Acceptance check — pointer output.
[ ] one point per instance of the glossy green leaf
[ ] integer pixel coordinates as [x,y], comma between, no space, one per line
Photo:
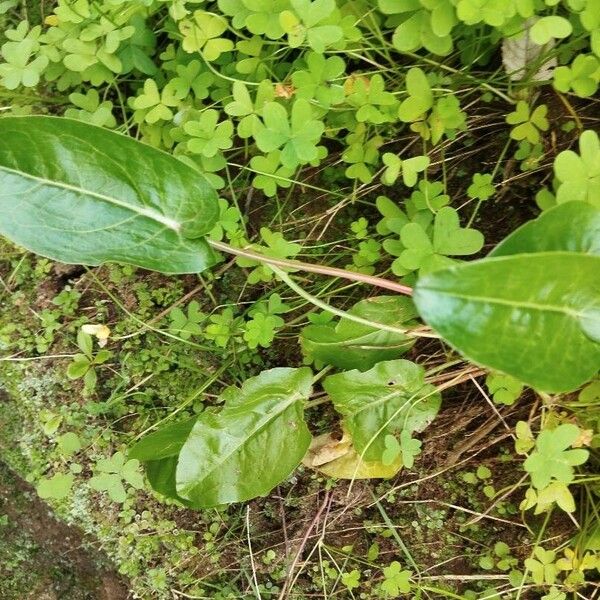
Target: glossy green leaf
[350,345]
[571,227]
[162,443]
[253,444]
[77,193]
[533,316]
[159,451]
[389,398]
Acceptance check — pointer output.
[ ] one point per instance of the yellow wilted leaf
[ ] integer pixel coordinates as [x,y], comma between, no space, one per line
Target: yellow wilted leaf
[339,459]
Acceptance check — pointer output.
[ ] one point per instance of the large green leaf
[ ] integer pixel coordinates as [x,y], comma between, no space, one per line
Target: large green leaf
[159,452]
[387,399]
[253,444]
[164,442]
[571,227]
[534,316]
[350,345]
[78,193]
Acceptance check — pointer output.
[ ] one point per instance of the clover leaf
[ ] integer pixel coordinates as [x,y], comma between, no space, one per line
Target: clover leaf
[552,460]
[420,96]
[579,175]
[191,78]
[91,109]
[424,254]
[446,118]
[373,103]
[208,136]
[276,247]
[259,16]
[582,76]
[112,473]
[410,447]
[429,196]
[396,580]
[156,105]
[528,124]
[409,167]
[186,325]
[362,155]
[270,175]
[56,487]
[317,81]
[202,34]
[542,567]
[482,187]
[394,218]
[20,68]
[421,28]
[261,329]
[309,21]
[504,388]
[243,106]
[297,137]
[548,28]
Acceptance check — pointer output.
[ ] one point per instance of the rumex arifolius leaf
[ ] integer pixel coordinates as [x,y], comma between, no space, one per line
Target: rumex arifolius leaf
[249,447]
[351,345]
[80,194]
[535,314]
[390,398]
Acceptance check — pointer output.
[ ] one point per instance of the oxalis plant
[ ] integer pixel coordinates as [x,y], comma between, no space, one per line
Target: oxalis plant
[77,193]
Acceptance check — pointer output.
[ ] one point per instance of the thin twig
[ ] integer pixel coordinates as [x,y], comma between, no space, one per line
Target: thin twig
[310,268]
[284,589]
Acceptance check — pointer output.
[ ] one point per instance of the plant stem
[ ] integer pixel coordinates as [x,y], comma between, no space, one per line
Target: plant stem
[345,315]
[310,268]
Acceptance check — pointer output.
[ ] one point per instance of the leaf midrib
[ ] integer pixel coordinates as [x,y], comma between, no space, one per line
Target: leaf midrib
[514,304]
[149,213]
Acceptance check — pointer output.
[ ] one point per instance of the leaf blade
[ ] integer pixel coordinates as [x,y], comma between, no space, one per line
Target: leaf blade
[81,194]
[506,313]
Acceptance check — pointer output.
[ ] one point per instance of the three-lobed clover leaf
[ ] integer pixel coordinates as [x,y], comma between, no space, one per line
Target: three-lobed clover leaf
[482,187]
[429,196]
[420,96]
[20,68]
[310,22]
[446,118]
[112,473]
[548,28]
[156,104]
[270,175]
[528,124]
[396,581]
[492,12]
[91,110]
[318,80]
[296,136]
[579,174]
[582,76]
[208,136]
[504,388]
[369,97]
[449,239]
[202,34]
[409,167]
[185,325]
[245,107]
[56,487]
[552,459]
[191,78]
[420,27]
[542,567]
[276,247]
